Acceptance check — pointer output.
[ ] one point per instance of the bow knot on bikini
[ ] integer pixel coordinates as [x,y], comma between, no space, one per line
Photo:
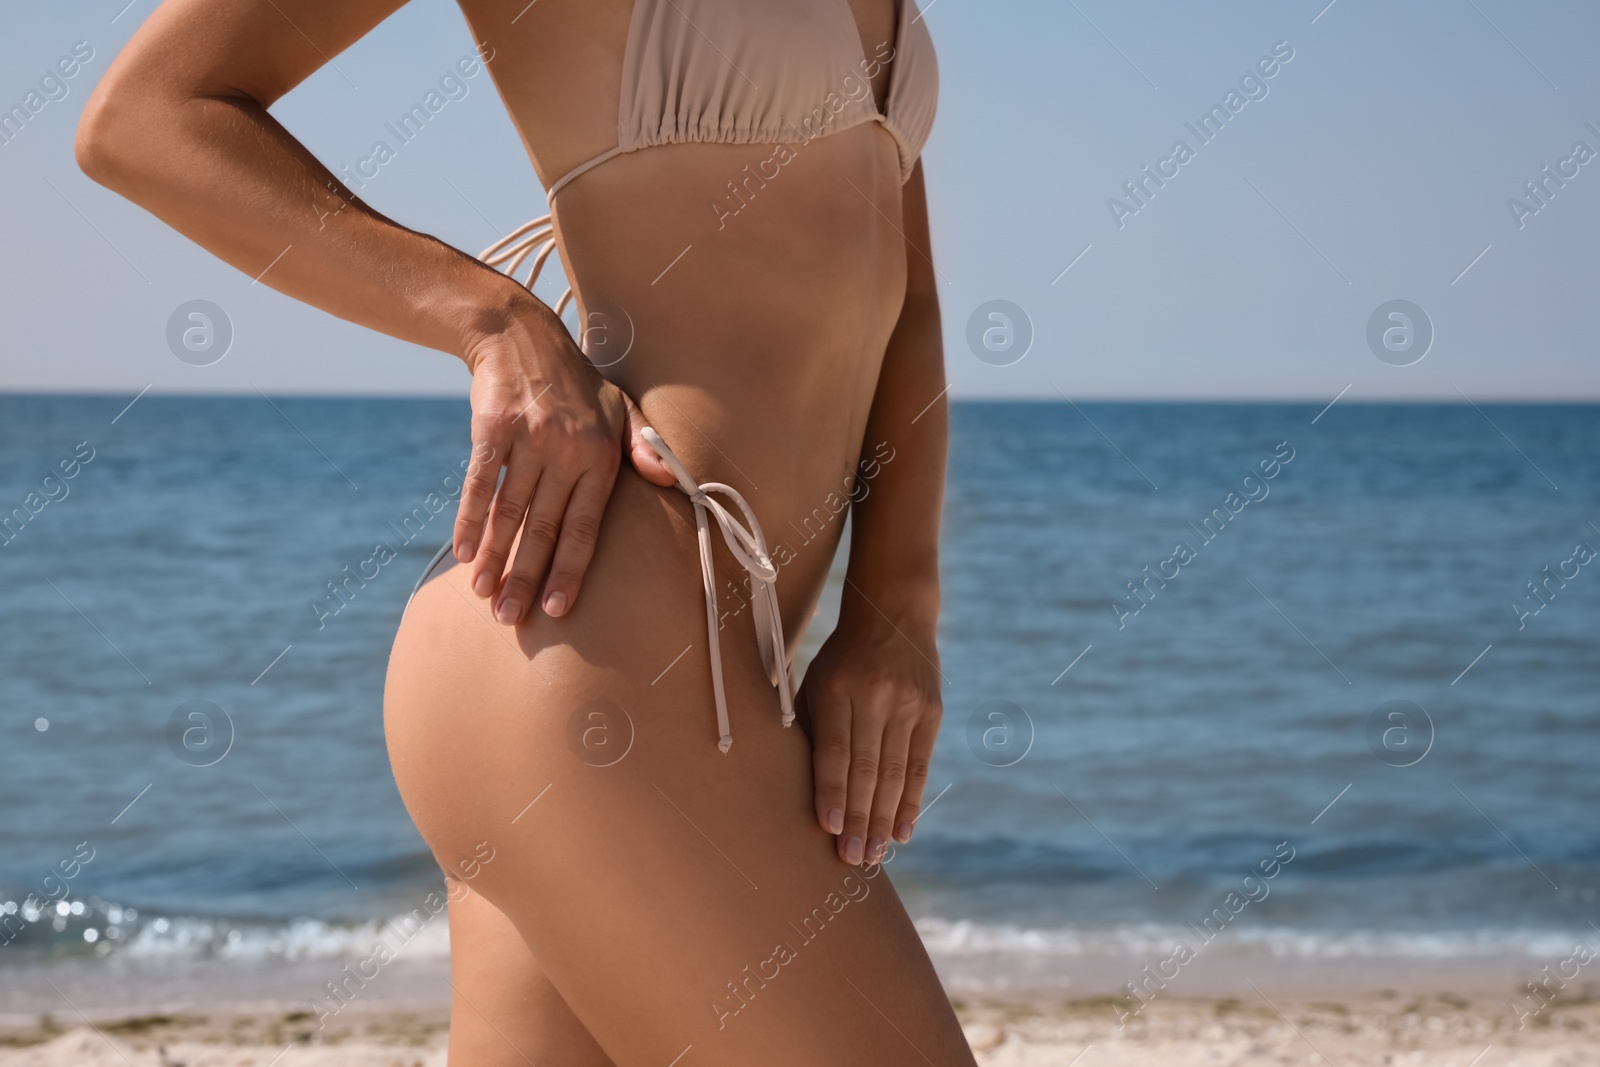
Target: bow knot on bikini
[749,547]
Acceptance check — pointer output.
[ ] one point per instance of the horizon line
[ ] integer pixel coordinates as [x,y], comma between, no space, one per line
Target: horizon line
[1460,400]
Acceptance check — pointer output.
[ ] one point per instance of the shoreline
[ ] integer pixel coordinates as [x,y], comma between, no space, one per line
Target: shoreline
[143,985]
[146,985]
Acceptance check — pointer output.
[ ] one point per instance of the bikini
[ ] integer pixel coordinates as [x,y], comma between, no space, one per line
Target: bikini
[771,72]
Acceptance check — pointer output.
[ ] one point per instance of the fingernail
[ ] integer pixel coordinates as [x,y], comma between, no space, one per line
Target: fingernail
[835,821]
[875,848]
[508,611]
[852,851]
[902,833]
[555,605]
[484,584]
[464,552]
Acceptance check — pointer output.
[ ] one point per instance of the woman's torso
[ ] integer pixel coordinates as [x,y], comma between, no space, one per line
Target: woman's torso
[754,288]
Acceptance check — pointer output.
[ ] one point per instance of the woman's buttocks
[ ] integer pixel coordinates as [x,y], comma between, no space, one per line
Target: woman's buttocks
[760,284]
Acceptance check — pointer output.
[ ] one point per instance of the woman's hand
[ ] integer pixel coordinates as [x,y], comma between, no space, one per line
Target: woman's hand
[871,704]
[543,413]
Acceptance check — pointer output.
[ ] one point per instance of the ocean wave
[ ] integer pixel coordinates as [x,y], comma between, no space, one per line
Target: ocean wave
[97,927]
[297,939]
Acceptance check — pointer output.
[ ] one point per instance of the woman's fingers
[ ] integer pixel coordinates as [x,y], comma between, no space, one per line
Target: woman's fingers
[866,744]
[506,513]
[870,754]
[477,490]
[549,451]
[651,467]
[830,758]
[540,529]
[580,530]
[558,429]
[920,756]
[577,471]
[893,762]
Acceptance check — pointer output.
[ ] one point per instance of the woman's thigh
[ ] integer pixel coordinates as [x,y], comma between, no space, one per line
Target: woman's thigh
[684,902]
[504,1012]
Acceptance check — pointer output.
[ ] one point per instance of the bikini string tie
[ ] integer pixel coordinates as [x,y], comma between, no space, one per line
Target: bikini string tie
[535,238]
[749,547]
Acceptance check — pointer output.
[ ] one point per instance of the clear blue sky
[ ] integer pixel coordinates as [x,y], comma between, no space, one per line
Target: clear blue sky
[1377,166]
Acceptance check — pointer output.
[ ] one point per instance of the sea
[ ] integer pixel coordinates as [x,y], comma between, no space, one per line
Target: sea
[1273,680]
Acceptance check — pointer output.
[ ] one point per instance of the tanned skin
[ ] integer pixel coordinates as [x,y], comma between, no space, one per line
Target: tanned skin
[728,909]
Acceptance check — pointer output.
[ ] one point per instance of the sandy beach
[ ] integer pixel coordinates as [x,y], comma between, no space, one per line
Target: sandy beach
[1378,1029]
[1460,1012]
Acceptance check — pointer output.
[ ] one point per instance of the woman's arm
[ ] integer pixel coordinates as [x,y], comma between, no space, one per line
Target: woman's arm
[872,694]
[179,125]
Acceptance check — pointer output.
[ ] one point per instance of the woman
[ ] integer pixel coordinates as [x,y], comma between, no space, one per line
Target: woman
[737,195]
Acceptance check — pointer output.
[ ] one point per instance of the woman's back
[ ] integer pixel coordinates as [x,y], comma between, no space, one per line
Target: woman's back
[750,284]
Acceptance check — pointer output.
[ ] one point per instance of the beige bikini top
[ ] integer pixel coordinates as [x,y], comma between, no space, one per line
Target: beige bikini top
[751,72]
